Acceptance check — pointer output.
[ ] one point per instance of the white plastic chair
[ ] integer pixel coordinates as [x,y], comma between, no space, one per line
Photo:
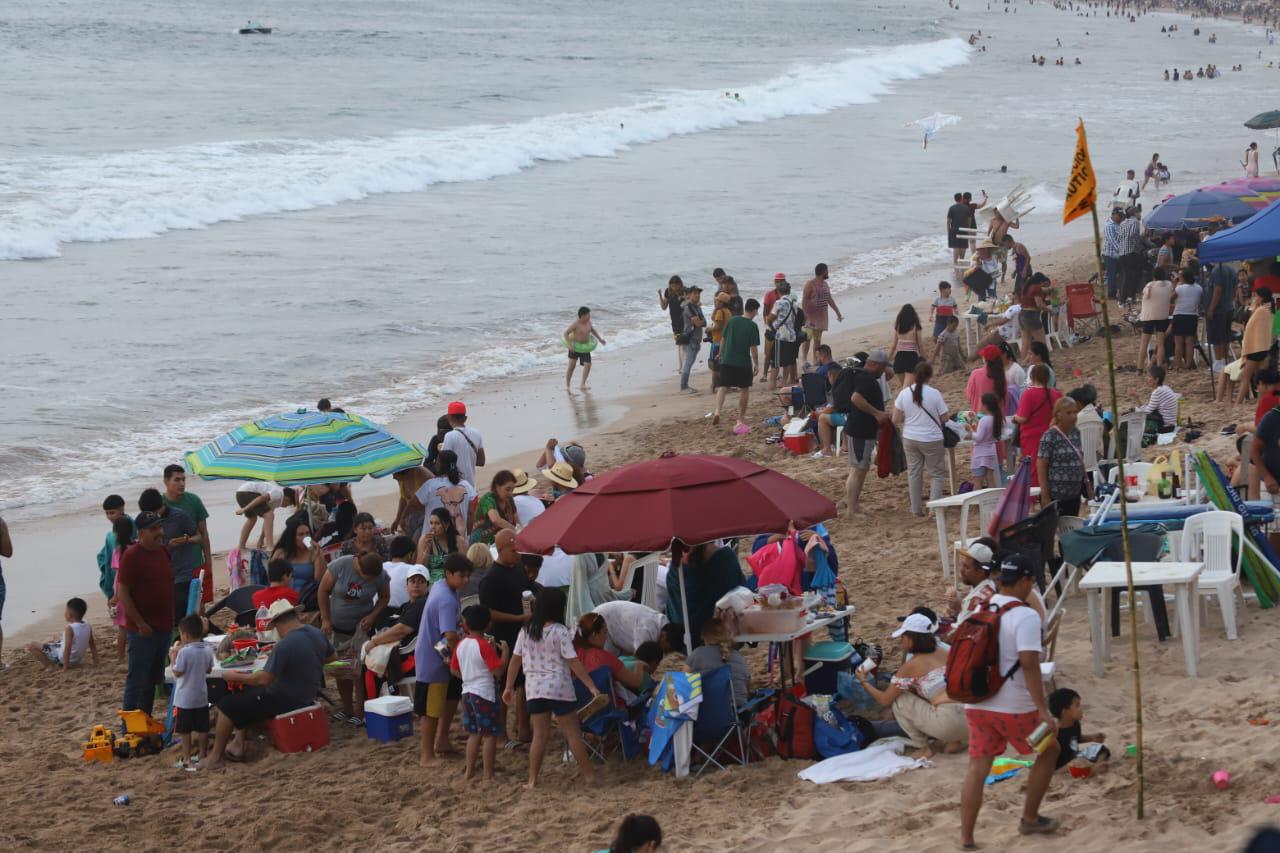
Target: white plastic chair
[1091,444]
[1051,334]
[986,503]
[1132,469]
[648,564]
[1207,538]
[1137,422]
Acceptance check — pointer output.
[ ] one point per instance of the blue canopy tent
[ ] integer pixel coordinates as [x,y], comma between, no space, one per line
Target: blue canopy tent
[1256,237]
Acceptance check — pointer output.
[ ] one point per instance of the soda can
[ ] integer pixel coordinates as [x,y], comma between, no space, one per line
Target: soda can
[122,800]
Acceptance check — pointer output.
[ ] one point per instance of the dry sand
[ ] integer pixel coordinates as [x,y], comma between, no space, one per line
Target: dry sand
[357,794]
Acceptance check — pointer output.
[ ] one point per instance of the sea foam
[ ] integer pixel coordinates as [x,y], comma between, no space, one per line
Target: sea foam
[128,195]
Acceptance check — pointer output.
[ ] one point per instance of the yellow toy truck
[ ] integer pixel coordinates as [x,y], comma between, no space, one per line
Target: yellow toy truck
[143,735]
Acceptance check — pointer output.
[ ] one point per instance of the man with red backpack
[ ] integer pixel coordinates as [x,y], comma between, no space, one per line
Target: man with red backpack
[994,667]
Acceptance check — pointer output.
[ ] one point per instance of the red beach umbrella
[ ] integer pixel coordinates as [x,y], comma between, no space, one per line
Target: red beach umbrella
[643,506]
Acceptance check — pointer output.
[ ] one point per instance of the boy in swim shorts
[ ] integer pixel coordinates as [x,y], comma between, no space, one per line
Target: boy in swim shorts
[578,339]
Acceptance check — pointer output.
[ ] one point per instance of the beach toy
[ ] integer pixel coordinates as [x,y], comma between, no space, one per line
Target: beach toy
[1274,799]
[1259,721]
[101,745]
[1081,772]
[578,346]
[1222,778]
[1131,749]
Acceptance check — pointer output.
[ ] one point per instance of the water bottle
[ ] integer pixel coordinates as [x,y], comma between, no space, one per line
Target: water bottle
[262,622]
[1041,737]
[526,602]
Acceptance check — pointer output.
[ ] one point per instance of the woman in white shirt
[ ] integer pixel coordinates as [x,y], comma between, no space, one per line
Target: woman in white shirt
[1186,316]
[919,412]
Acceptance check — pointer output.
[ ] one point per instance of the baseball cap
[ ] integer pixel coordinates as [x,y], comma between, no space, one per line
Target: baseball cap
[916,623]
[1015,567]
[926,612]
[693,287]
[457,408]
[779,276]
[416,571]
[990,352]
[143,520]
[980,554]
[878,356]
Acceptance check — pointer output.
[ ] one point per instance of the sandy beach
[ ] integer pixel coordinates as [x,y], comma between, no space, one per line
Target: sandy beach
[1193,726]
[406,210]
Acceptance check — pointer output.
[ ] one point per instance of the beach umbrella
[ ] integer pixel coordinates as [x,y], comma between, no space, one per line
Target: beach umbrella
[1196,207]
[1264,121]
[1255,192]
[302,448]
[931,124]
[643,507]
[1015,503]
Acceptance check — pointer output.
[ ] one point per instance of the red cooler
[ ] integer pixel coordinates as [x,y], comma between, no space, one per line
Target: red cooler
[303,730]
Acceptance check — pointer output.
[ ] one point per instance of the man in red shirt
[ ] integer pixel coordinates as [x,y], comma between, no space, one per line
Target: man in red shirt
[145,582]
[280,585]
[1268,394]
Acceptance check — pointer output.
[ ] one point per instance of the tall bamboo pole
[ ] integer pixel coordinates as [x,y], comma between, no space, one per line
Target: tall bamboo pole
[1124,516]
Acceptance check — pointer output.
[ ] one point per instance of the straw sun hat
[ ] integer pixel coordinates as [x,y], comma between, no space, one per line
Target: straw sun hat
[561,474]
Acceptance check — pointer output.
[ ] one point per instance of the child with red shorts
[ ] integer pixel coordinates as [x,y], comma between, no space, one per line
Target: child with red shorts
[478,664]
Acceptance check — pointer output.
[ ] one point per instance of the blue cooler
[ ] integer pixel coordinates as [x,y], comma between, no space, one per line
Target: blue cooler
[822,664]
[388,718]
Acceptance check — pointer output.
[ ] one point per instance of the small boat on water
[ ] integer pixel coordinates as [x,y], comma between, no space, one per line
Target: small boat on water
[252,29]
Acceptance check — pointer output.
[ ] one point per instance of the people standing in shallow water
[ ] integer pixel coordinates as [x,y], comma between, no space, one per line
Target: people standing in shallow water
[578,338]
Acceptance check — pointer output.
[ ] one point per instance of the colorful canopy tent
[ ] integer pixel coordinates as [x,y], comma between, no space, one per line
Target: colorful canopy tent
[1256,237]
[302,448]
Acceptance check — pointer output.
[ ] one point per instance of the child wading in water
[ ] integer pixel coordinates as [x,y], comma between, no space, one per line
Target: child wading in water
[578,338]
[544,650]
[476,662]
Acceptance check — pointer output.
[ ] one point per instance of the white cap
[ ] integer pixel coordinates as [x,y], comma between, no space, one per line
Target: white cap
[916,623]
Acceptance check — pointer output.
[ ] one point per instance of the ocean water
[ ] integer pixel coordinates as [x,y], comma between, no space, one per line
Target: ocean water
[392,203]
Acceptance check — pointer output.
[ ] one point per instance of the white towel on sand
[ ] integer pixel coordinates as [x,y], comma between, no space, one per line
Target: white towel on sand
[878,761]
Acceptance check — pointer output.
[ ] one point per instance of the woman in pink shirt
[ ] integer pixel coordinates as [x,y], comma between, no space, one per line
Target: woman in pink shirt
[988,379]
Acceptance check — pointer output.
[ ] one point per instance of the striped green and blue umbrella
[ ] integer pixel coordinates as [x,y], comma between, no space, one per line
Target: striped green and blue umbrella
[302,448]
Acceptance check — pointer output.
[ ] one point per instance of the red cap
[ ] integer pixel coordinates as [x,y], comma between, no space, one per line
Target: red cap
[990,352]
[457,408]
[779,276]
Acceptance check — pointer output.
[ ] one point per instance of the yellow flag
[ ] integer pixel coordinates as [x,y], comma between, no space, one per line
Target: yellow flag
[1082,187]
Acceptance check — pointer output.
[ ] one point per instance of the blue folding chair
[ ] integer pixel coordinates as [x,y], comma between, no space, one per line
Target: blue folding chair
[604,722]
[720,719]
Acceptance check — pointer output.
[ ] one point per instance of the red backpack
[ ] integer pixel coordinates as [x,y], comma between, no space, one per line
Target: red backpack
[973,664]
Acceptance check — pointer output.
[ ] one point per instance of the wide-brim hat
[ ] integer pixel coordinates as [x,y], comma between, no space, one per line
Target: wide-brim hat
[524,483]
[985,243]
[281,607]
[561,474]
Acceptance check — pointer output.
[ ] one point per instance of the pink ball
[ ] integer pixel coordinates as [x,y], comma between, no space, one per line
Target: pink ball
[1222,778]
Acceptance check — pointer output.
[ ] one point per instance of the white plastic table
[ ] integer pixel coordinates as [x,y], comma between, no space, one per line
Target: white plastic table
[939,507]
[787,640]
[1182,577]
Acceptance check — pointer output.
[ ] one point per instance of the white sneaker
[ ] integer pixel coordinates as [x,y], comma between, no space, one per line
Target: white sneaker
[818,455]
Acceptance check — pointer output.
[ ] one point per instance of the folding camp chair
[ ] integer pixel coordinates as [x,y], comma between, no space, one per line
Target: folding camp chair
[605,721]
[1036,537]
[717,720]
[238,601]
[814,386]
[1083,314]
